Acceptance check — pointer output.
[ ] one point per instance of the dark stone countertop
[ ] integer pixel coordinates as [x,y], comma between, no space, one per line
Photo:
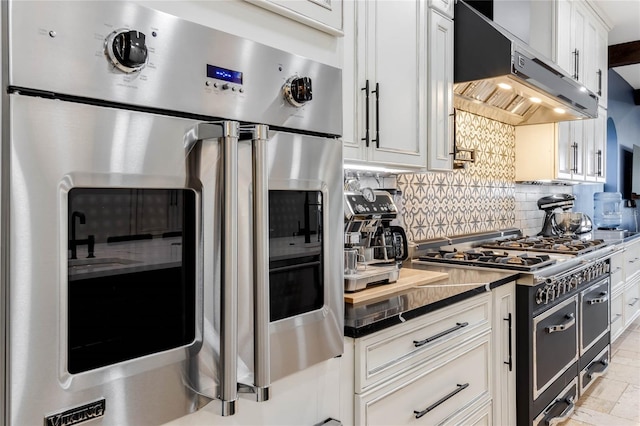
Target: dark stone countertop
[369,317]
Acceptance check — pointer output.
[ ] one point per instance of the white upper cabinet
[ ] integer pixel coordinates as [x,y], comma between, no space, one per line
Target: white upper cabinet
[385,75]
[581,44]
[440,93]
[572,151]
[398,84]
[324,15]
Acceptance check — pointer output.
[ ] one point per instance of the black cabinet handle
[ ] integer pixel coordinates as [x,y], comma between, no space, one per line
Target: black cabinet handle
[576,64]
[634,301]
[510,361]
[599,155]
[377,92]
[599,82]
[459,388]
[459,325]
[366,113]
[574,147]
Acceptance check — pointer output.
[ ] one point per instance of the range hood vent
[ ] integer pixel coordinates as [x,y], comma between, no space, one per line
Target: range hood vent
[498,76]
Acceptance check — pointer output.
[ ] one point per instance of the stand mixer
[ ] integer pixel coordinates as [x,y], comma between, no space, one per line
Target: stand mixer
[563,223]
[383,247]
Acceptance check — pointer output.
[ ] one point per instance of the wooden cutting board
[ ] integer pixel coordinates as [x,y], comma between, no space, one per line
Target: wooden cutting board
[408,278]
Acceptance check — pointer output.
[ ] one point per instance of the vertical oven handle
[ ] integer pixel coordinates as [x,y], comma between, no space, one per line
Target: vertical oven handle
[228,133]
[262,374]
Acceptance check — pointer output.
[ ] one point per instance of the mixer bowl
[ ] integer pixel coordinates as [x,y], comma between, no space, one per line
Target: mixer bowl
[568,222]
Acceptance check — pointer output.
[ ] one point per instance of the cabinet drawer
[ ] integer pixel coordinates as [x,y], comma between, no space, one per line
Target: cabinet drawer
[617,280]
[631,302]
[414,342]
[436,394]
[617,315]
[617,263]
[631,261]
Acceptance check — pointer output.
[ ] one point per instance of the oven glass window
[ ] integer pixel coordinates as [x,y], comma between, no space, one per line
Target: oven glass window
[131,274]
[296,273]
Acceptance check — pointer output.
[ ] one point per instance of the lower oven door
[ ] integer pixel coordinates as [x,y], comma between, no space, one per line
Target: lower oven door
[555,343]
[103,265]
[594,314]
[560,408]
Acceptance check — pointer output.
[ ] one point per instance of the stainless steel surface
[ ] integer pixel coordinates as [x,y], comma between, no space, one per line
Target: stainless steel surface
[94,147]
[113,127]
[568,222]
[262,349]
[74,63]
[374,275]
[499,77]
[229,294]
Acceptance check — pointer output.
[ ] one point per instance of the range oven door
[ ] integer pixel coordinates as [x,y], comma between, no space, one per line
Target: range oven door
[104,260]
[281,293]
[594,314]
[555,343]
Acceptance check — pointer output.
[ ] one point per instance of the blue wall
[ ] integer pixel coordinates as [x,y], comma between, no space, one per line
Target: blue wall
[623,130]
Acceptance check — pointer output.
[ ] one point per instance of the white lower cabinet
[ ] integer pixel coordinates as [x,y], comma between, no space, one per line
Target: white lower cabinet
[450,366]
[438,393]
[617,314]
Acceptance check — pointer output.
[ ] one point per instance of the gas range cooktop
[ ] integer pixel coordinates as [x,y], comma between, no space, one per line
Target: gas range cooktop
[556,245]
[491,259]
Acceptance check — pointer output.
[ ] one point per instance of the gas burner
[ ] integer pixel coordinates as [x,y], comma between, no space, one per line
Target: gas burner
[490,258]
[561,244]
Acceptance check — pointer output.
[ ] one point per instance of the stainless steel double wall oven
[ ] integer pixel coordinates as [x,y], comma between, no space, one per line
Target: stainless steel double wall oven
[168,195]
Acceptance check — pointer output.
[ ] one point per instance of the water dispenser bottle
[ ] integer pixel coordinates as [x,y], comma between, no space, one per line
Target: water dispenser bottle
[607,213]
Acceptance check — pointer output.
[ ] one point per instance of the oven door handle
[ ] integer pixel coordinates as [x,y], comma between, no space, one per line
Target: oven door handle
[604,298]
[564,326]
[261,317]
[565,414]
[226,133]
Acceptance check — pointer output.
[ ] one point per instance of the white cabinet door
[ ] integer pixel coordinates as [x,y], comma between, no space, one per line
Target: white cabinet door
[504,355]
[440,93]
[578,23]
[444,6]
[595,132]
[602,51]
[396,74]
[567,148]
[564,56]
[385,83]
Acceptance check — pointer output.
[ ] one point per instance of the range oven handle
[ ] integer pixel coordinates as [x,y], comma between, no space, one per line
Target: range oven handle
[261,317]
[565,414]
[571,321]
[604,297]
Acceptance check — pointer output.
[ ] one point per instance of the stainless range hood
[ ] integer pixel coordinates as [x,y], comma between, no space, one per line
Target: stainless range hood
[496,75]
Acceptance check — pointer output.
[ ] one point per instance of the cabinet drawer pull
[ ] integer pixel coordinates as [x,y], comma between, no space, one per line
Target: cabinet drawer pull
[634,301]
[602,299]
[564,326]
[618,316]
[459,325]
[459,388]
[510,361]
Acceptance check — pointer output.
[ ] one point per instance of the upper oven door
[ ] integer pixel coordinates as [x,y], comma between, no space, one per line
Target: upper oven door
[104,260]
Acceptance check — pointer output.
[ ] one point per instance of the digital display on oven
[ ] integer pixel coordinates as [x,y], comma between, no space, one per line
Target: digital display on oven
[224,74]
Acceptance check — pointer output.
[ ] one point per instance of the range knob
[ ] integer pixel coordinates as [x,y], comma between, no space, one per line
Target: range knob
[127,50]
[298,91]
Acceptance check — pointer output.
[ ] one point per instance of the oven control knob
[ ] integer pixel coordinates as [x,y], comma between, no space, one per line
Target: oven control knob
[127,50]
[298,91]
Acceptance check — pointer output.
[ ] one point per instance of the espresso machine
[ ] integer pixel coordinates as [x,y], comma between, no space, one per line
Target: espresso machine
[381,248]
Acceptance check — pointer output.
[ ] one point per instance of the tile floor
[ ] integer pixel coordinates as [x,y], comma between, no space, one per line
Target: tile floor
[614,399]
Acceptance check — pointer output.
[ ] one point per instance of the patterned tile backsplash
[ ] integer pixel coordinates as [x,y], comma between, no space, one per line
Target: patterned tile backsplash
[482,197]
